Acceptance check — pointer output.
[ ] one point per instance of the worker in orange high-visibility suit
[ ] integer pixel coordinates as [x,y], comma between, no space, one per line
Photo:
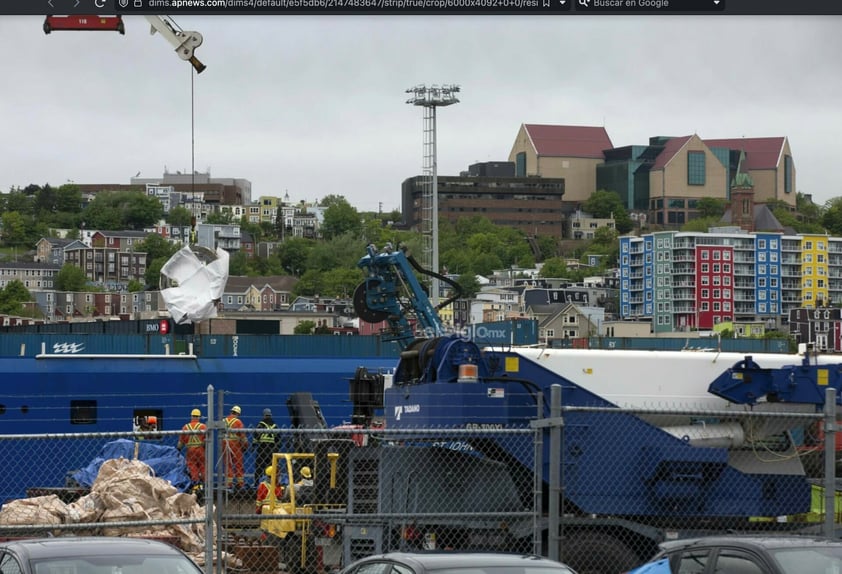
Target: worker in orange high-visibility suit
[194,443]
[234,444]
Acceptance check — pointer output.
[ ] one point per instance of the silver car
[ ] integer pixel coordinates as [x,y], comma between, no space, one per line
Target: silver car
[93,555]
[445,562]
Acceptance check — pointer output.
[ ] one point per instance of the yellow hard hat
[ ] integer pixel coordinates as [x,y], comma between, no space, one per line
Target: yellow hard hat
[235,409]
[269,471]
[305,472]
[195,413]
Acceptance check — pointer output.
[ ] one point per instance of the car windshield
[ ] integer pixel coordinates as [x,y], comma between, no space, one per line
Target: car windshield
[506,570]
[115,565]
[813,559]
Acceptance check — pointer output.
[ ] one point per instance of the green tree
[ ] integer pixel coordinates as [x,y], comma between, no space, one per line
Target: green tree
[134,286]
[70,278]
[469,285]
[122,210]
[553,267]
[69,199]
[832,216]
[304,328]
[340,218]
[340,282]
[293,255]
[605,236]
[309,284]
[547,245]
[220,218]
[14,228]
[156,247]
[604,204]
[238,264]
[12,297]
[701,224]
[711,207]
[180,216]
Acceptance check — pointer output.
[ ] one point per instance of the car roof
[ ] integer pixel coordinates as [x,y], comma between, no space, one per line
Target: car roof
[440,559]
[770,542]
[71,546]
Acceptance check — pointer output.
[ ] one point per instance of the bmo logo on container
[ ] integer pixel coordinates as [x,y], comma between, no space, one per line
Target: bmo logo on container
[162,327]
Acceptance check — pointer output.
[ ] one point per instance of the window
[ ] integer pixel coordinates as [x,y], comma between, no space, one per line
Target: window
[695,168]
[8,565]
[82,412]
[736,562]
[787,174]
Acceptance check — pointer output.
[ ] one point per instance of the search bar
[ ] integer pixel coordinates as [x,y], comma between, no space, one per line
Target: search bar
[650,6]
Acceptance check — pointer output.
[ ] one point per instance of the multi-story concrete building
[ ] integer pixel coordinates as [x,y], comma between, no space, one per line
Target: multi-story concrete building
[223,235]
[666,178]
[215,190]
[569,153]
[684,281]
[531,204]
[34,275]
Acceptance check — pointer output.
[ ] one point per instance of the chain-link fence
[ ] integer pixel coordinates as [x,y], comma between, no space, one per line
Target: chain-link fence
[598,488]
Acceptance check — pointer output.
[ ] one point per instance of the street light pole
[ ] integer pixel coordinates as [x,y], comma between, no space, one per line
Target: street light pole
[431,97]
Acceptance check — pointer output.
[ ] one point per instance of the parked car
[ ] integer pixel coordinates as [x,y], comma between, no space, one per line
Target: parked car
[444,562]
[763,554]
[93,555]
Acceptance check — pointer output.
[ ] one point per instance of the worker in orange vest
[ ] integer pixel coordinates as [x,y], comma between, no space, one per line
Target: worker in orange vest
[234,444]
[265,487]
[194,443]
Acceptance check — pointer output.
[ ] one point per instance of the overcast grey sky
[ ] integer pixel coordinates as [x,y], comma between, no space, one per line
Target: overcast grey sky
[316,105]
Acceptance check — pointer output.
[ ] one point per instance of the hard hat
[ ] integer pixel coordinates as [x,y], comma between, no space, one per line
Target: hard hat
[269,471]
[305,472]
[267,412]
[151,419]
[195,413]
[235,409]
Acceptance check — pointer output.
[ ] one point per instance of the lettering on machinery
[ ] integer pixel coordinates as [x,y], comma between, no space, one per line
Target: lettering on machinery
[406,409]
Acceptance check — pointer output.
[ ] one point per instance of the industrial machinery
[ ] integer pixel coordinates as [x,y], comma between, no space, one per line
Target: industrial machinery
[185,42]
[626,478]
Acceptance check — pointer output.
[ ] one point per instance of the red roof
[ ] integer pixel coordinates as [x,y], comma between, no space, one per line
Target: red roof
[670,149]
[761,153]
[568,141]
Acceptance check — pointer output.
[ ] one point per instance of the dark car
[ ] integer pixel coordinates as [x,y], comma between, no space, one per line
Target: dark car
[93,555]
[751,555]
[455,563]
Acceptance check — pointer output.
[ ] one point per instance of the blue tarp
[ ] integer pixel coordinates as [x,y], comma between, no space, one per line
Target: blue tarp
[166,462]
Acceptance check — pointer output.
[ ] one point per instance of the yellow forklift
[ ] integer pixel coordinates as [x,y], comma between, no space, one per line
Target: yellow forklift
[290,519]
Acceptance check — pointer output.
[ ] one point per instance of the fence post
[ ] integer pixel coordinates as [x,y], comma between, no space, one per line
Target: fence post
[554,536]
[829,462]
[538,485]
[209,486]
[222,473]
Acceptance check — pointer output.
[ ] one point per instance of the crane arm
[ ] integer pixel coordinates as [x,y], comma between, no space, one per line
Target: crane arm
[184,41]
[390,283]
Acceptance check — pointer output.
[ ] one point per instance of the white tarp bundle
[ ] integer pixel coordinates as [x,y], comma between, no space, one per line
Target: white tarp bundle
[197,285]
